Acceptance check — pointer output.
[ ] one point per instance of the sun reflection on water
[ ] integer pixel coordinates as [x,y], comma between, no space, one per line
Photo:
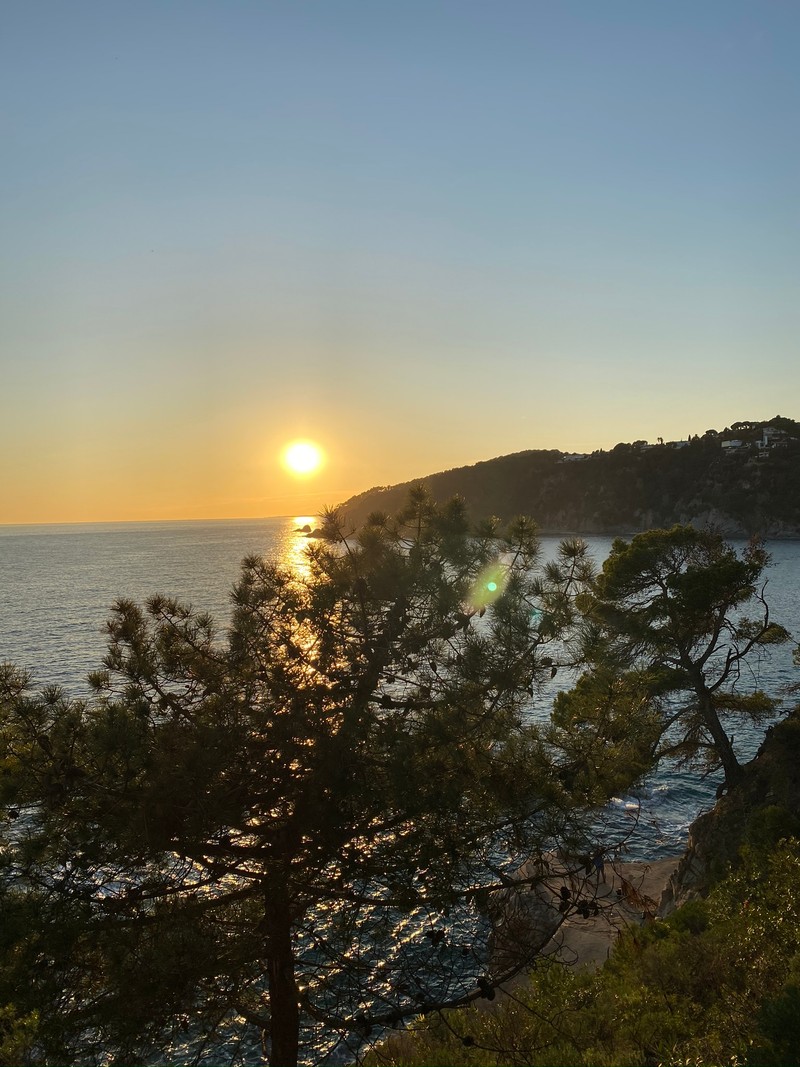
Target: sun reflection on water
[295,543]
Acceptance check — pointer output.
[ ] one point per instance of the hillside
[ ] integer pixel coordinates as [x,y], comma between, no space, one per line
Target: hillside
[744,479]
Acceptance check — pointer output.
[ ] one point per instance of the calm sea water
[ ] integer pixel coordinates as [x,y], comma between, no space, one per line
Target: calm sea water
[57,583]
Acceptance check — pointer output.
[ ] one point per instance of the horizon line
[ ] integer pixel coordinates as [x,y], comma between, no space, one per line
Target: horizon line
[120,522]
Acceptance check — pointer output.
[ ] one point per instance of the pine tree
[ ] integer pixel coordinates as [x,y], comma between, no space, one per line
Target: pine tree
[667,625]
[302,821]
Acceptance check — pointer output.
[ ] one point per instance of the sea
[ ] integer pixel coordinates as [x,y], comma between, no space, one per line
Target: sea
[57,583]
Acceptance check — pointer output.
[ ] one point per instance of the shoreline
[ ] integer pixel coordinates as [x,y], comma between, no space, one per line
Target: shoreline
[629,894]
[620,896]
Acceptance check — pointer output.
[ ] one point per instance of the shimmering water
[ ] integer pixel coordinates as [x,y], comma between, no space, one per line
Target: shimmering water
[57,583]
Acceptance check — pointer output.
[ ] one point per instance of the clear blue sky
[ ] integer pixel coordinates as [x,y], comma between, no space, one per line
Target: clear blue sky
[419,233]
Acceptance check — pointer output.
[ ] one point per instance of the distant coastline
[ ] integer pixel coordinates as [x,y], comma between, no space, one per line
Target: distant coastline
[743,480]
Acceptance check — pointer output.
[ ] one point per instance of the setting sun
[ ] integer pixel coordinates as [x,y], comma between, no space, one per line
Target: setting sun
[303,457]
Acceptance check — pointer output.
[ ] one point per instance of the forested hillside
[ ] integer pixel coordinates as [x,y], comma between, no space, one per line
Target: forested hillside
[744,479]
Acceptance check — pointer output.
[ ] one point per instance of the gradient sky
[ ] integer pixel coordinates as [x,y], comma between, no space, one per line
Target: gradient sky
[420,233]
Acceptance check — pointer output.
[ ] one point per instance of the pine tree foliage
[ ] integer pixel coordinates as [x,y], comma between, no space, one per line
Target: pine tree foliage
[674,626]
[292,827]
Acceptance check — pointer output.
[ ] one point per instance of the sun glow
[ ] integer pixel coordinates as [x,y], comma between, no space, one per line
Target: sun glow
[302,458]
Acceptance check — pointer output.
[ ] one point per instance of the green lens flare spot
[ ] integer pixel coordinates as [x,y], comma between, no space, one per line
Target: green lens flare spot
[489,585]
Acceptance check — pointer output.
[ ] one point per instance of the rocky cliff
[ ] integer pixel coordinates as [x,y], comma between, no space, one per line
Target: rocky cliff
[761,809]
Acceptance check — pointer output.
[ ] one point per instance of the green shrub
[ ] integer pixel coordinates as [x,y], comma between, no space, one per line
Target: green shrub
[779,1027]
[692,918]
[767,826]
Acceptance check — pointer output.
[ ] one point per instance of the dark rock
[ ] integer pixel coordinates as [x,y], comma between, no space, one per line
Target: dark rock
[761,807]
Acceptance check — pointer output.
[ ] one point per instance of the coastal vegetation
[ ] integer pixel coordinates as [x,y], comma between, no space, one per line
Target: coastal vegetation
[311,827]
[667,635]
[717,981]
[744,479]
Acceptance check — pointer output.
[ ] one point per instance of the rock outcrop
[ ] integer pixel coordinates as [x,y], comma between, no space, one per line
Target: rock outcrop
[763,807]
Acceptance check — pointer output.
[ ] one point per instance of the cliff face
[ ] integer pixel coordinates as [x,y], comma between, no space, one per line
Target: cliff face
[763,807]
[743,489]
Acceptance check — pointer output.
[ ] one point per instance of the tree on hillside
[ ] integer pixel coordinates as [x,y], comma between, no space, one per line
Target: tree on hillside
[789,426]
[666,621]
[298,823]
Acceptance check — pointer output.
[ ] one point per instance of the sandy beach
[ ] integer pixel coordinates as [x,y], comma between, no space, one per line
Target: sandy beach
[628,894]
[600,905]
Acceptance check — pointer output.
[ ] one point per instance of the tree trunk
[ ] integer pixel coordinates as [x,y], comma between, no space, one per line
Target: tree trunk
[283,1005]
[730,764]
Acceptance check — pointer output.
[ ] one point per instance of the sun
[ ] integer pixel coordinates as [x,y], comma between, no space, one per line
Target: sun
[302,458]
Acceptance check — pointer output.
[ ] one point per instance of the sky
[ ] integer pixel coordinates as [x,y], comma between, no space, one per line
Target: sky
[419,234]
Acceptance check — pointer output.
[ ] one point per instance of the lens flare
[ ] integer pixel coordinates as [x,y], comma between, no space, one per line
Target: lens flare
[489,585]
